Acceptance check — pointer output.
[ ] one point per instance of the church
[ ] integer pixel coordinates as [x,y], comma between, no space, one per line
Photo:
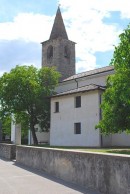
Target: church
[75,108]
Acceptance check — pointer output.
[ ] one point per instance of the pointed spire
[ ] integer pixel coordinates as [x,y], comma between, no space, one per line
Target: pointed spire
[58,29]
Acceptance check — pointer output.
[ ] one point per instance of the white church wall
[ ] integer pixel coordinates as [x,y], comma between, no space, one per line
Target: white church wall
[106,140]
[42,136]
[122,139]
[62,123]
[15,133]
[65,86]
[98,79]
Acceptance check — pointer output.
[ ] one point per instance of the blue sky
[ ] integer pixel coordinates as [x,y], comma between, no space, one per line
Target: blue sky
[94,25]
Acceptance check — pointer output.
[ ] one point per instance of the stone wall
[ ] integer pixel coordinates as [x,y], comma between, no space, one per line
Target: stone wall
[7,151]
[109,174]
[64,64]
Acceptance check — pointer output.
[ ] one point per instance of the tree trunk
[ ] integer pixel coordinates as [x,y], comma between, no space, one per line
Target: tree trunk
[35,141]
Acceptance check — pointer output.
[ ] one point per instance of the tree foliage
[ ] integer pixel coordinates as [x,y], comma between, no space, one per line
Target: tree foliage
[116,99]
[6,126]
[25,93]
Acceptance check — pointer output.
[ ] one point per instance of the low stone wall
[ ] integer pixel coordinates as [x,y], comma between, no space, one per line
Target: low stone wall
[109,174]
[7,151]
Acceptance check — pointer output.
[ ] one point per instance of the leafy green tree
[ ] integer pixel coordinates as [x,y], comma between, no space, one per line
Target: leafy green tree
[25,92]
[6,126]
[116,99]
[6,120]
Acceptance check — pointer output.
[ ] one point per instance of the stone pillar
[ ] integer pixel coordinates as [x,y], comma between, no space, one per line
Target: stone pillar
[29,137]
[16,133]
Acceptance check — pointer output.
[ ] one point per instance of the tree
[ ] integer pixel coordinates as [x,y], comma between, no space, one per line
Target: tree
[116,99]
[25,92]
[6,126]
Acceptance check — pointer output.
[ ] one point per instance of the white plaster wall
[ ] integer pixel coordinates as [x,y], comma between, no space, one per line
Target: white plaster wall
[99,79]
[122,139]
[12,132]
[42,137]
[62,123]
[106,140]
[15,133]
[65,86]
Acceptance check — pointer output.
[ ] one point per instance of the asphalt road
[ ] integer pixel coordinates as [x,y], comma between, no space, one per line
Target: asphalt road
[17,179]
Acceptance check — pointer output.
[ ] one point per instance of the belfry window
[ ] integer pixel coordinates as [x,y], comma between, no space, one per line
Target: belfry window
[66,52]
[50,52]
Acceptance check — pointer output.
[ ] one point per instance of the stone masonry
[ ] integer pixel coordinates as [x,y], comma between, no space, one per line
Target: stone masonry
[58,51]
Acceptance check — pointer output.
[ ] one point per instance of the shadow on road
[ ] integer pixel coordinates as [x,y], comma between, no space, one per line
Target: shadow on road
[57,180]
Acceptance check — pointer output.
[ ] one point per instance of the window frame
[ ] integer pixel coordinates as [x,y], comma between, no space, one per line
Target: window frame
[77,101]
[77,128]
[56,107]
[50,52]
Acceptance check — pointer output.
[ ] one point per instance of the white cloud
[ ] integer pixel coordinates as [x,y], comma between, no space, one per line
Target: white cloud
[88,29]
[21,40]
[104,6]
[84,20]
[86,63]
[30,27]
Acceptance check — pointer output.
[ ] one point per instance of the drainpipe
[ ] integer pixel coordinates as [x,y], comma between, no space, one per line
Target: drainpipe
[100,116]
[76,83]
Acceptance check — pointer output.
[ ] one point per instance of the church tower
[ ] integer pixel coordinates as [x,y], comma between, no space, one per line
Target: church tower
[59,51]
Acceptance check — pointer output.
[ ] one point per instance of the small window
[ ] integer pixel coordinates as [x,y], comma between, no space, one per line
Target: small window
[56,106]
[77,101]
[50,52]
[66,52]
[77,128]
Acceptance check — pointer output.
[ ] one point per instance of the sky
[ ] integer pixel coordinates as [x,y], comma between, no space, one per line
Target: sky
[94,25]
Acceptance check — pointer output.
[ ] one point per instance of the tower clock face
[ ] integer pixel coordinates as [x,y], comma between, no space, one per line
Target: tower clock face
[50,53]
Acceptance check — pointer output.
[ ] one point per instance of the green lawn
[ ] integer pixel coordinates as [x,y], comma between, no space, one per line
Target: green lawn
[103,150]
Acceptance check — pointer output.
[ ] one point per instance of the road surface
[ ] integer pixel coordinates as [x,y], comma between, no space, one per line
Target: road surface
[17,179]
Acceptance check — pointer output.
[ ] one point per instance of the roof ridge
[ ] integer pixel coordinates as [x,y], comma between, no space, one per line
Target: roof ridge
[82,87]
[90,87]
[90,72]
[94,69]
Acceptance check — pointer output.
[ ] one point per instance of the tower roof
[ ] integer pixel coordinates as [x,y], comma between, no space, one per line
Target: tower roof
[58,29]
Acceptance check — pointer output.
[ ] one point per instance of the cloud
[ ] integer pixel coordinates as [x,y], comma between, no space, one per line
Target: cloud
[27,26]
[19,52]
[20,40]
[100,5]
[90,31]
[85,23]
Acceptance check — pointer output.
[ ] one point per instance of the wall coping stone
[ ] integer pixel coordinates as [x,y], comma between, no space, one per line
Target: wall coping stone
[78,151]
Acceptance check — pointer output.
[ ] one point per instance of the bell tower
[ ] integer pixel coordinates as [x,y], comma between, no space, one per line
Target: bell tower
[59,51]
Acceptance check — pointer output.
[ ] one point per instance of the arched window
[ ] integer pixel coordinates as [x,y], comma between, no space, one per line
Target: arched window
[50,52]
[66,52]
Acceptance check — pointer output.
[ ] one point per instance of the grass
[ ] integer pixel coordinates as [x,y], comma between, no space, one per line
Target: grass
[102,150]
